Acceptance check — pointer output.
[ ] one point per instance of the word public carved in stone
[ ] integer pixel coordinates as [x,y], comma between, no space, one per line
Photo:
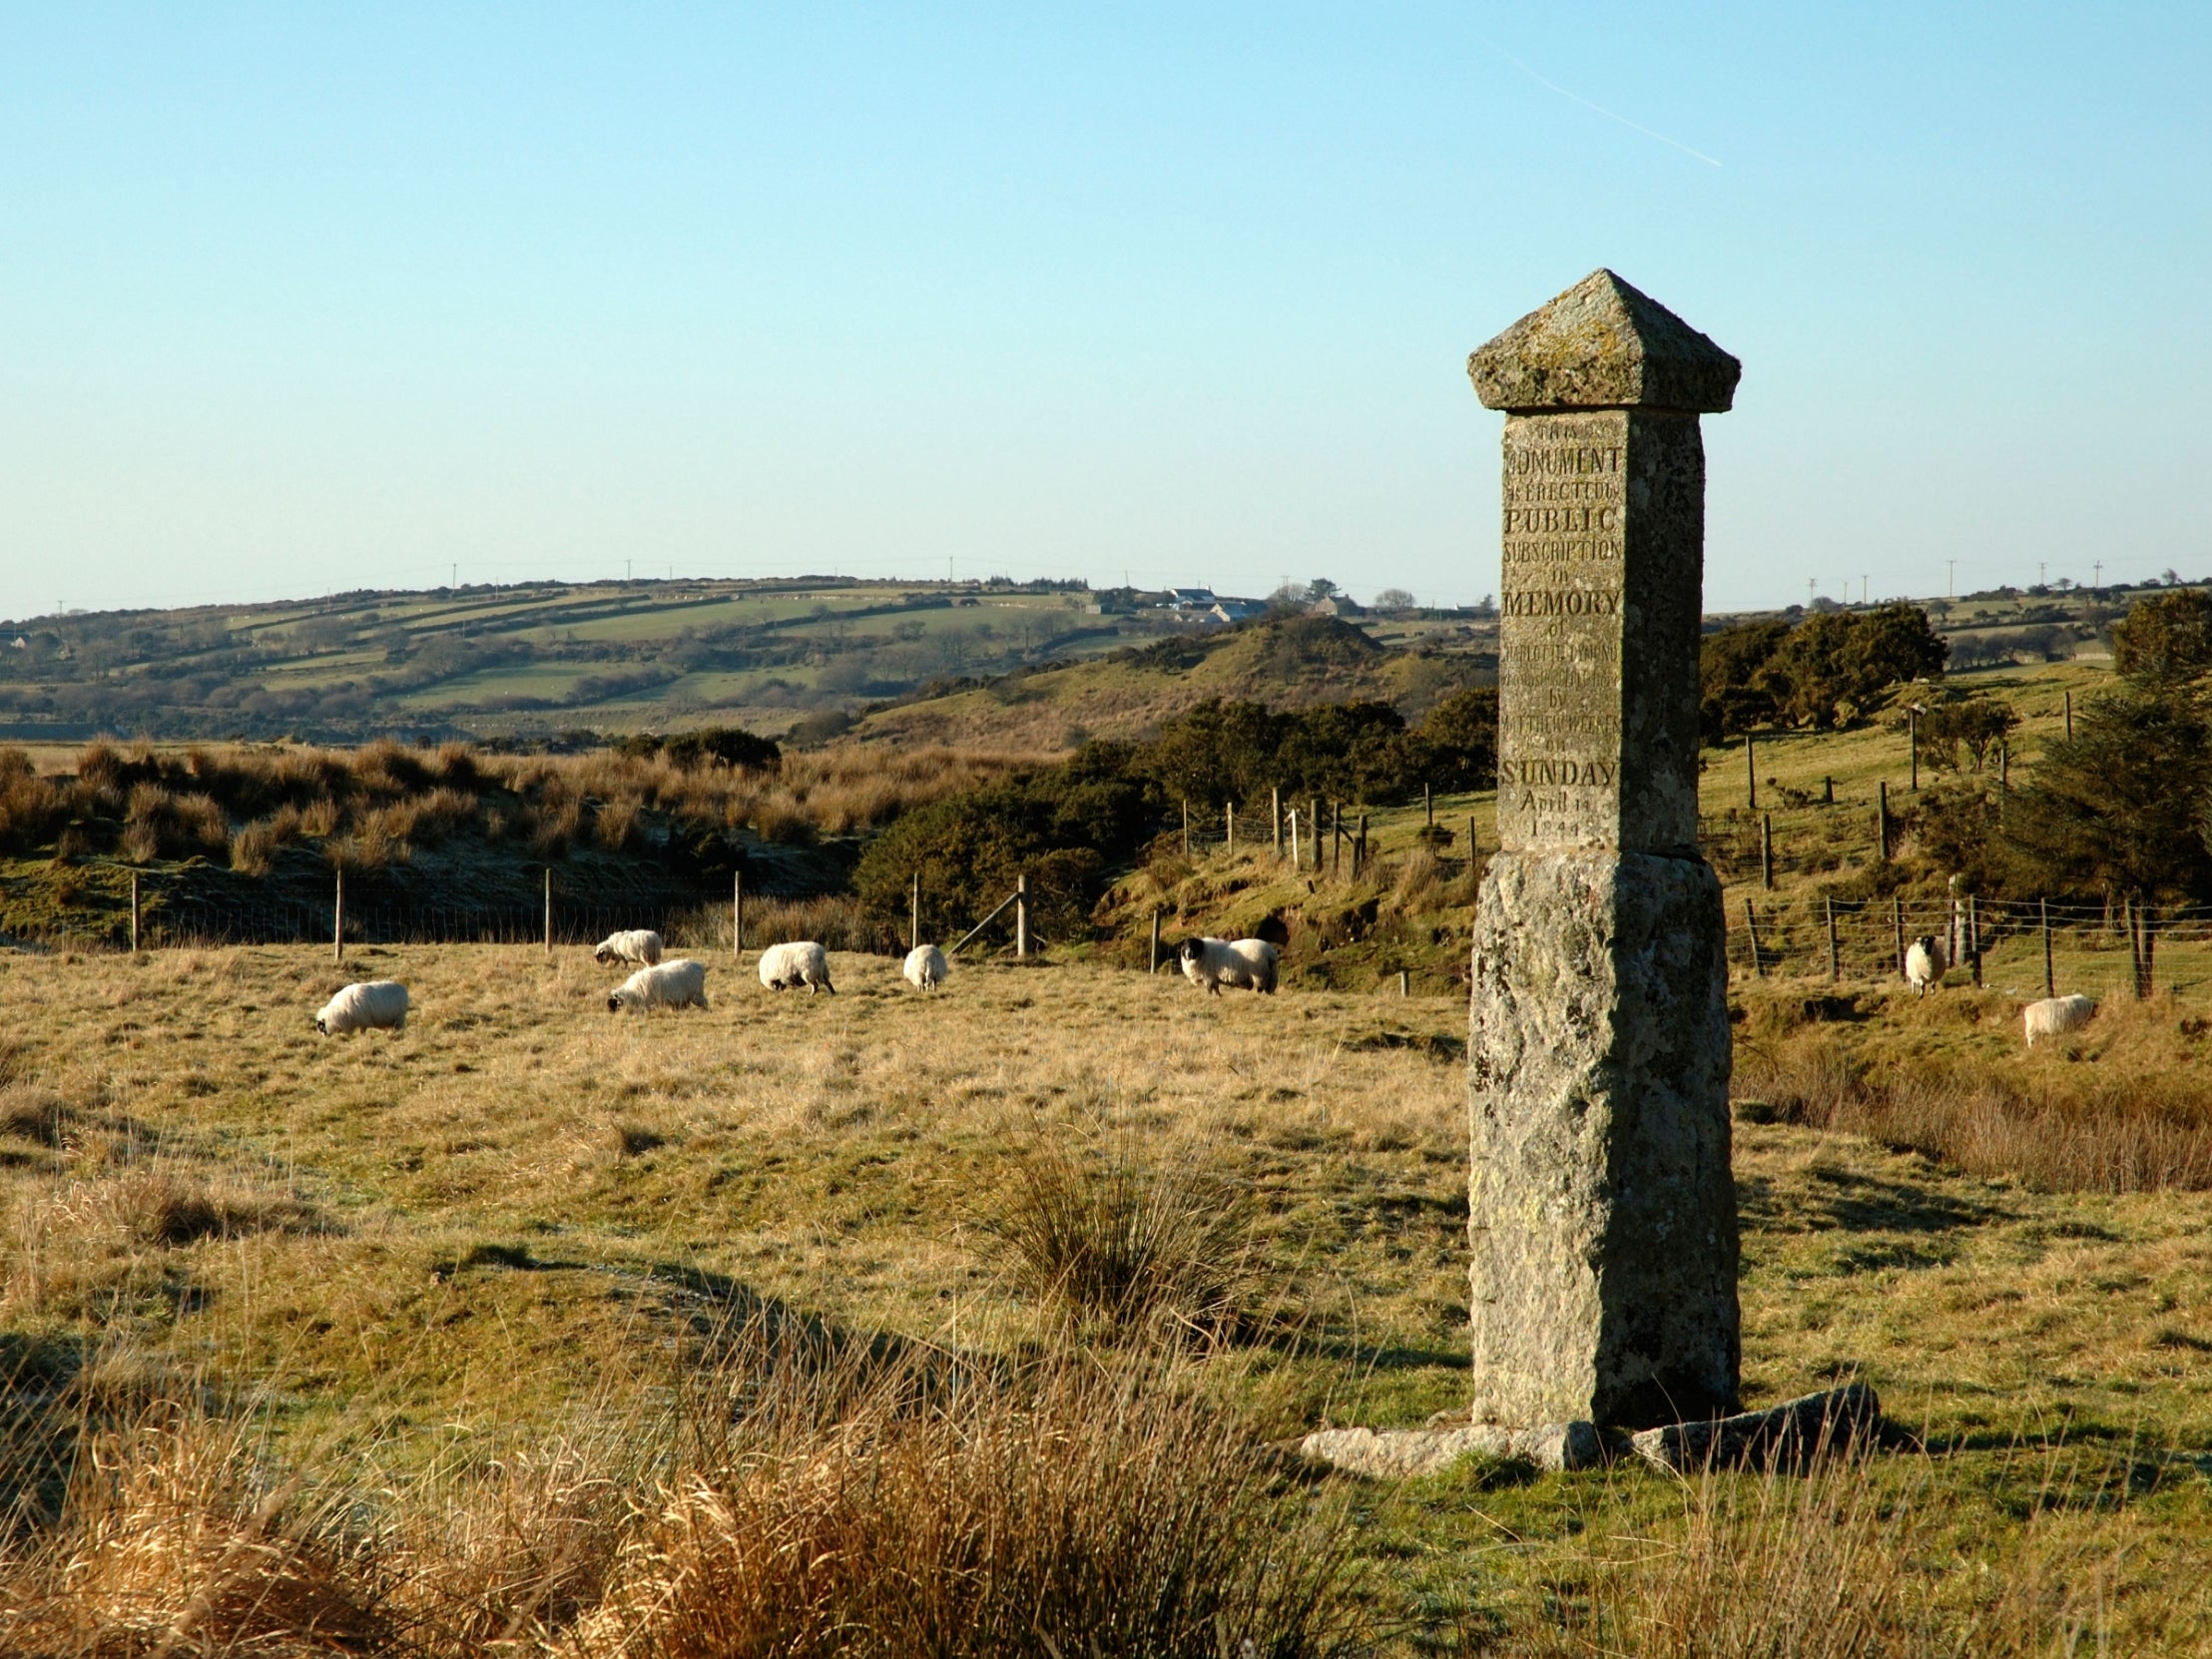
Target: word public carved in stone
[1602,1211]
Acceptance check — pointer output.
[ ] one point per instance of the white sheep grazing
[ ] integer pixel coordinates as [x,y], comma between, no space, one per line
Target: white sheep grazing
[637,945]
[801,963]
[1241,964]
[2054,1017]
[925,967]
[677,984]
[373,1004]
[1924,964]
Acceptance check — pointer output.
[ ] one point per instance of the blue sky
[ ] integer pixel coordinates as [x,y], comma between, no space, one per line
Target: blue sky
[305,298]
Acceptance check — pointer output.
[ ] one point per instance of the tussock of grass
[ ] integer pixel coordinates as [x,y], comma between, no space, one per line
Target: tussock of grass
[1106,1240]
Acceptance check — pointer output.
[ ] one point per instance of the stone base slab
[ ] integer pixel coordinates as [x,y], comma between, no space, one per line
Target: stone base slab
[1395,1453]
[1789,1435]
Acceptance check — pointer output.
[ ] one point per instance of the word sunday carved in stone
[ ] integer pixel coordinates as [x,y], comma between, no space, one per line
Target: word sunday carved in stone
[1559,685]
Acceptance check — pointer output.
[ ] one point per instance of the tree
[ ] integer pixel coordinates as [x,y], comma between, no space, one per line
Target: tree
[1733,694]
[2166,641]
[2119,808]
[1964,731]
[1833,670]
[1395,599]
[1320,588]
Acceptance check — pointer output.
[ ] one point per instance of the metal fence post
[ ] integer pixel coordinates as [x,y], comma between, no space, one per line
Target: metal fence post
[1155,967]
[2049,985]
[549,910]
[337,920]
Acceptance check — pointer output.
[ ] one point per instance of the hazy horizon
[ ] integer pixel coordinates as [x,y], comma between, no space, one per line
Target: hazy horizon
[307,302]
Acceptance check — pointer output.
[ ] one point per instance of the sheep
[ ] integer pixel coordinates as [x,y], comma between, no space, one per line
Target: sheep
[1241,964]
[373,1004]
[925,967]
[2054,1017]
[637,945]
[1924,964]
[677,984]
[801,963]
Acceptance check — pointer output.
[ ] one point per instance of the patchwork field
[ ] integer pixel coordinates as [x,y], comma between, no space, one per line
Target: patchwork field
[405,1262]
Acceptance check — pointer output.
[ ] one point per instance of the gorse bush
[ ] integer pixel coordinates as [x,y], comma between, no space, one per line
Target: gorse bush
[1830,670]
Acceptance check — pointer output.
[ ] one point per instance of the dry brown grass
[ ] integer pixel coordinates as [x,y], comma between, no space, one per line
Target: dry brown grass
[2139,1120]
[1112,1241]
[1828,1566]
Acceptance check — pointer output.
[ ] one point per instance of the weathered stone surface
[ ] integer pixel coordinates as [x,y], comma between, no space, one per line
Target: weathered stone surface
[1598,632]
[1602,1210]
[1395,1453]
[1604,344]
[1789,1435]
[1601,1207]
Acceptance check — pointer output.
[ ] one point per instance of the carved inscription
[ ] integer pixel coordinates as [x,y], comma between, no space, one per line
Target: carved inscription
[1559,662]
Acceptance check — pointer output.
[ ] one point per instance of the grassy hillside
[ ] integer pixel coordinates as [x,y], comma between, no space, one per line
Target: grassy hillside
[542,658]
[435,1291]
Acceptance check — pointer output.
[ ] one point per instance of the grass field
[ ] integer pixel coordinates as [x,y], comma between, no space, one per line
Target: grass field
[407,1260]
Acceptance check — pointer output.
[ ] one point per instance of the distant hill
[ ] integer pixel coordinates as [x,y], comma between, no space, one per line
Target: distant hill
[538,659]
[1293,662]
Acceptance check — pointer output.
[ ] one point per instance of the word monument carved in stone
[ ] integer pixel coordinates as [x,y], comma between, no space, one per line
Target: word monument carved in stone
[1602,1211]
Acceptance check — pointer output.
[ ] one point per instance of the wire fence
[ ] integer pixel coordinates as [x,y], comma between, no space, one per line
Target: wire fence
[2028,948]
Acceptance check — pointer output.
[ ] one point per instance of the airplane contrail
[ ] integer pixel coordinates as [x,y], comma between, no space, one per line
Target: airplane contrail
[1608,114]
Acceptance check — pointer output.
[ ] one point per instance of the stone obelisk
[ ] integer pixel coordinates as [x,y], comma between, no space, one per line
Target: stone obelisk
[1602,1211]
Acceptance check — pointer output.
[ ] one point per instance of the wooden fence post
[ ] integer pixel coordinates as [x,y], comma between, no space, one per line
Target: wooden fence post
[737,915]
[1186,827]
[1882,823]
[1155,967]
[1229,825]
[1973,940]
[1428,805]
[1828,792]
[913,915]
[2005,765]
[1335,839]
[1835,960]
[1913,737]
[134,913]
[1021,916]
[1474,845]
[1313,828]
[1897,926]
[1405,986]
[1359,850]
[2049,985]
[2069,717]
[337,921]
[549,910]
[1295,862]
[1751,770]
[1751,925]
[1275,812]
[1766,850]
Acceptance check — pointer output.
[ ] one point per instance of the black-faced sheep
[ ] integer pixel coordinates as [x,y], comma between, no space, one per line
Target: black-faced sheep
[373,1004]
[637,945]
[925,967]
[801,963]
[1241,964]
[677,984]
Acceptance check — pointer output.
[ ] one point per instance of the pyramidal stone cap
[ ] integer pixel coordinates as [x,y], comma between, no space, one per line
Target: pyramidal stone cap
[1603,344]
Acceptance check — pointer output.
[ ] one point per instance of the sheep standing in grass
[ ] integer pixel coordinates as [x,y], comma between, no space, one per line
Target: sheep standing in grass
[373,1004]
[637,945]
[925,967]
[677,984]
[1241,964]
[2054,1017]
[801,963]
[1924,964]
